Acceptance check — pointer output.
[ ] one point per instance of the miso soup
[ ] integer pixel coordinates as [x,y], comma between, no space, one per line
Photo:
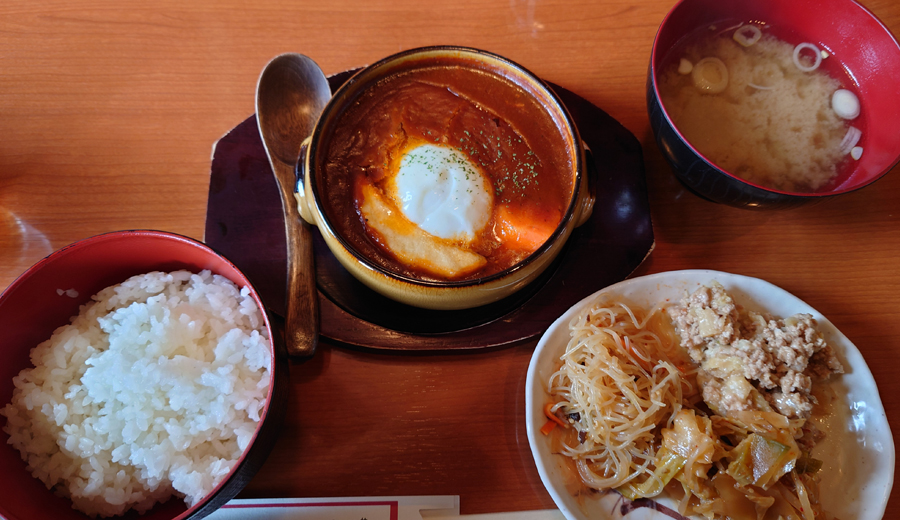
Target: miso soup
[760,106]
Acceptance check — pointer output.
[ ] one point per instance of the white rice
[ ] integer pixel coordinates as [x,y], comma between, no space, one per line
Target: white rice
[154,389]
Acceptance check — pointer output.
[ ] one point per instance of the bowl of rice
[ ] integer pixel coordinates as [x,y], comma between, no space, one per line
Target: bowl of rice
[770,104]
[138,378]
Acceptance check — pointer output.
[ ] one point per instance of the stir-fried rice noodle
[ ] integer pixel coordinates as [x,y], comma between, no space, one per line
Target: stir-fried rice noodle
[630,398]
[617,377]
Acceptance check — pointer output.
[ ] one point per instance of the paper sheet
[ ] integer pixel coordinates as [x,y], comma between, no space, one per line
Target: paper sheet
[438,507]
[344,508]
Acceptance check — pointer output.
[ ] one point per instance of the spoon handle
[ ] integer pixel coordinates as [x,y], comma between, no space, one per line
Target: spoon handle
[301,333]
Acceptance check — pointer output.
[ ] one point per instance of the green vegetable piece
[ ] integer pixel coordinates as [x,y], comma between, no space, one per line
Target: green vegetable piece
[760,461]
[807,464]
[668,465]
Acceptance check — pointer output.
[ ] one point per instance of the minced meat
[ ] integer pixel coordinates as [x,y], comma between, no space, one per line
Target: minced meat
[752,361]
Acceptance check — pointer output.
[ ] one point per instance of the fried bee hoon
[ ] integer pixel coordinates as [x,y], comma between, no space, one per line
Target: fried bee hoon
[648,401]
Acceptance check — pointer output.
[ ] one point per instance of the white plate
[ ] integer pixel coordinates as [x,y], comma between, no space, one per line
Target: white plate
[858,452]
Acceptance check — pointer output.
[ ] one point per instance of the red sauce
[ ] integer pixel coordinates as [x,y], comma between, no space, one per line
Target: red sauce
[496,123]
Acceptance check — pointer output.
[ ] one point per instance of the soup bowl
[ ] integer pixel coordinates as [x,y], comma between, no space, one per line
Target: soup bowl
[46,295]
[859,52]
[328,196]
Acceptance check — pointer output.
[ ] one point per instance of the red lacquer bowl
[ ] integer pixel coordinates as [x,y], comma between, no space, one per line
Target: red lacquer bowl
[870,56]
[31,309]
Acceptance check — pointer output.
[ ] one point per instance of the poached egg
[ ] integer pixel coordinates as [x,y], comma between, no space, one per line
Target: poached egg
[433,205]
[440,190]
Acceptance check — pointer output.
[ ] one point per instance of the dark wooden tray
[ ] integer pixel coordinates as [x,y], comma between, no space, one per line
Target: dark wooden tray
[245,223]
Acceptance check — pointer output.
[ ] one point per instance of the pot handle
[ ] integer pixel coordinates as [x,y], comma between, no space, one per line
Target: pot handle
[305,200]
[588,196]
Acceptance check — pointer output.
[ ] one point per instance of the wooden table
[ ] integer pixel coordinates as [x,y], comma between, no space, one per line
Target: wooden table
[107,119]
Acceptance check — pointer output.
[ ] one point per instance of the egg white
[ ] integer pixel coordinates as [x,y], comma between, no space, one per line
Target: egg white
[410,244]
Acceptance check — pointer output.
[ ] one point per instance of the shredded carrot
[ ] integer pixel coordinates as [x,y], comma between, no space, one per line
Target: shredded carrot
[554,420]
[548,427]
[552,416]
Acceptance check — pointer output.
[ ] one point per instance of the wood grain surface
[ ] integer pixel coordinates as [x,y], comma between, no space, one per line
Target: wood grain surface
[108,115]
